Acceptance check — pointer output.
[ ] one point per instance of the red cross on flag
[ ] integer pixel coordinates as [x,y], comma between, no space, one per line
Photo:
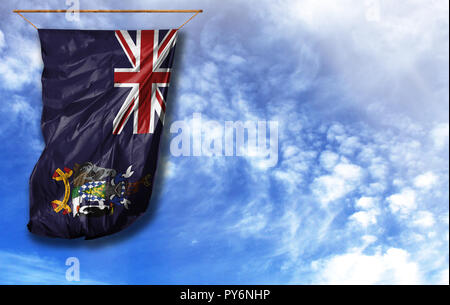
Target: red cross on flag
[145,78]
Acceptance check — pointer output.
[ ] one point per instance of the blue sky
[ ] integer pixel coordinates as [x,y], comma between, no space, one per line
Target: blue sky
[360,191]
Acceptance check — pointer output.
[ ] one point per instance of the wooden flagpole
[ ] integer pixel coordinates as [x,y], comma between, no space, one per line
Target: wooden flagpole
[196,12]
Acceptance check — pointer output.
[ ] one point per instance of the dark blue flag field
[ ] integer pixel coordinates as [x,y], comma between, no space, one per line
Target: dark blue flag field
[104,100]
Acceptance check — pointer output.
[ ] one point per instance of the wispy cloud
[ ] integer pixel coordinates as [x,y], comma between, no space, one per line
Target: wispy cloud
[360,192]
[28,269]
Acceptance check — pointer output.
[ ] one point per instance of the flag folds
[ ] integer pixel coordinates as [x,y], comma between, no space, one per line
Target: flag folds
[104,101]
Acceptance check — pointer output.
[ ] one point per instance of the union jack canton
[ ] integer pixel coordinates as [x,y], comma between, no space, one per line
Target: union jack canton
[145,78]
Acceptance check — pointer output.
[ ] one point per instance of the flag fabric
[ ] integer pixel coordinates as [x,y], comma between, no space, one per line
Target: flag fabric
[104,100]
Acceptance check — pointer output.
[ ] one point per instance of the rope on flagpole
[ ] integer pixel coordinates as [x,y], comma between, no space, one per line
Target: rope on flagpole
[26,20]
[192,17]
[196,12]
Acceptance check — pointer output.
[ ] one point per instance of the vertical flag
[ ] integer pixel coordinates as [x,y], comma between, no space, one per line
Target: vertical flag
[104,100]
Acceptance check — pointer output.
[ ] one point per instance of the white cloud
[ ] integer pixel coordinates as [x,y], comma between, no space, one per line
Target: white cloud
[423,219]
[403,202]
[170,169]
[19,107]
[290,151]
[290,178]
[295,164]
[392,267]
[330,188]
[426,180]
[378,168]
[21,116]
[365,203]
[406,42]
[2,40]
[368,239]
[440,135]
[17,71]
[336,133]
[365,218]
[349,145]
[344,179]
[444,277]
[369,213]
[350,172]
[328,159]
